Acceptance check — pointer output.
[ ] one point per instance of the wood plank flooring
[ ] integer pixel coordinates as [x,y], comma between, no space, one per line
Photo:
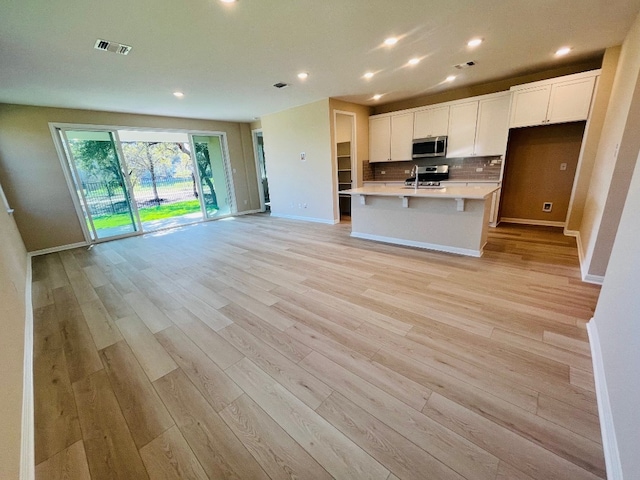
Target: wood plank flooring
[257,348]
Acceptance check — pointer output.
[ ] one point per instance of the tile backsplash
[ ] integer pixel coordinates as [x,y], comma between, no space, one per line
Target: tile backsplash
[463,169]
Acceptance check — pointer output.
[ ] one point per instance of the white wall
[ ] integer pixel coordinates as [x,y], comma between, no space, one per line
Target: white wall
[616,154]
[617,322]
[294,183]
[13,270]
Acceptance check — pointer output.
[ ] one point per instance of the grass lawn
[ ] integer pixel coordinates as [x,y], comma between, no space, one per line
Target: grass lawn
[148,214]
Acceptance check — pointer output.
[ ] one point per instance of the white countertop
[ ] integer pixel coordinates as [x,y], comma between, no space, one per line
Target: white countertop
[443,182]
[472,193]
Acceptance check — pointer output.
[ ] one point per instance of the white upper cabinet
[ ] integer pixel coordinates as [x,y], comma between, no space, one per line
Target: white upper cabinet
[492,130]
[390,138]
[432,122]
[462,129]
[570,101]
[529,107]
[564,99]
[401,136]
[379,139]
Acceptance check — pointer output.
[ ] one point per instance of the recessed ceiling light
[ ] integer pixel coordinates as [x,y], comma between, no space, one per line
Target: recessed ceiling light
[368,75]
[474,42]
[562,51]
[178,94]
[228,1]
[377,96]
[414,61]
[391,41]
[303,75]
[450,78]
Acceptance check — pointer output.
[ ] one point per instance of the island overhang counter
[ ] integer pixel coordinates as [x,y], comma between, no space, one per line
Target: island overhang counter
[449,219]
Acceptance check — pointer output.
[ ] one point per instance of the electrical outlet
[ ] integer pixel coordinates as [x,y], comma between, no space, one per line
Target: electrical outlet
[303,157]
[382,172]
[408,172]
[479,169]
[245,202]
[563,166]
[547,206]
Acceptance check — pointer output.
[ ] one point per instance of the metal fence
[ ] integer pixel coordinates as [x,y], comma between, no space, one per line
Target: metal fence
[109,198]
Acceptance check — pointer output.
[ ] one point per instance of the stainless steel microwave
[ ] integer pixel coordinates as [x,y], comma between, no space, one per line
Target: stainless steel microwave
[429,147]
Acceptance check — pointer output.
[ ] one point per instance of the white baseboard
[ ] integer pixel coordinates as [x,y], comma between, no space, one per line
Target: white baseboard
[61,248]
[586,276]
[27,452]
[305,219]
[526,221]
[249,212]
[609,441]
[411,243]
[595,279]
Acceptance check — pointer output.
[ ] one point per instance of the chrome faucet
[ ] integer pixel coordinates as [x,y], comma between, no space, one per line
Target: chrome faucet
[414,171]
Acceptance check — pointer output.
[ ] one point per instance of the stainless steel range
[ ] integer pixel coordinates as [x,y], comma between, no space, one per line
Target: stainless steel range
[429,176]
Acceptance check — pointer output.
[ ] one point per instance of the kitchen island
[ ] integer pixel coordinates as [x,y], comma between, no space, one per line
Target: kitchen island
[449,219]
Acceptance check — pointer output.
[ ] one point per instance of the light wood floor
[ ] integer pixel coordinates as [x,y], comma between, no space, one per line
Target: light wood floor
[262,348]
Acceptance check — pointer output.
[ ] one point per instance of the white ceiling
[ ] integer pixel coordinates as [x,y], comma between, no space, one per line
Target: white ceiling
[225,58]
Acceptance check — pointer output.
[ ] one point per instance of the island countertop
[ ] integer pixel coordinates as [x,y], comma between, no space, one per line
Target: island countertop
[470,193]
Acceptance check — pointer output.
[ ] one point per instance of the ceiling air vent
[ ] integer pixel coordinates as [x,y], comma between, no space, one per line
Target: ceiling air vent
[460,66]
[112,47]
[280,85]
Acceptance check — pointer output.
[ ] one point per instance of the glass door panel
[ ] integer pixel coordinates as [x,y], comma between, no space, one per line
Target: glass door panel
[209,157]
[162,177]
[100,183]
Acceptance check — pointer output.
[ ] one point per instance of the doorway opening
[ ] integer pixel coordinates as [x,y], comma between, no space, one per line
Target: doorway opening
[261,169]
[344,124]
[126,182]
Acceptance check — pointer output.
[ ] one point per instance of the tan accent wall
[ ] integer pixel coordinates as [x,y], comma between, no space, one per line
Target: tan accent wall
[488,87]
[592,137]
[532,171]
[615,159]
[298,188]
[257,125]
[33,178]
[13,270]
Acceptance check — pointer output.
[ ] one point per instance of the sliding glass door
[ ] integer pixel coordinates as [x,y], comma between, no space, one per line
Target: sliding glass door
[212,170]
[163,178]
[100,182]
[131,181]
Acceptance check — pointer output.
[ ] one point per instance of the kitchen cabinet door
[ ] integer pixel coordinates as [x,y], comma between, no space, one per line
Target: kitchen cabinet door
[462,129]
[432,122]
[570,100]
[493,126]
[379,139]
[401,136]
[529,106]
